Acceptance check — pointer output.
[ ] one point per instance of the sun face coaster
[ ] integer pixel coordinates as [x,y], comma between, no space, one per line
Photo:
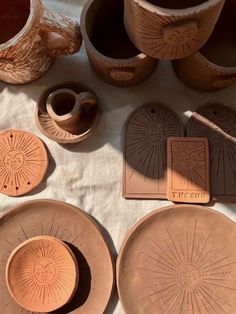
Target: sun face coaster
[218,124]
[180,259]
[79,233]
[42,274]
[63,109]
[188,170]
[145,151]
[23,162]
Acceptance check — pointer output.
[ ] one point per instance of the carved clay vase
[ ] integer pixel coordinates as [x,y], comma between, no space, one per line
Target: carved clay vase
[31,37]
[214,66]
[112,55]
[171,29]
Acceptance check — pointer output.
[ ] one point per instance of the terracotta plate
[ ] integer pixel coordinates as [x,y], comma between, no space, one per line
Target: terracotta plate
[145,150]
[23,162]
[181,259]
[42,274]
[188,169]
[53,131]
[218,124]
[77,230]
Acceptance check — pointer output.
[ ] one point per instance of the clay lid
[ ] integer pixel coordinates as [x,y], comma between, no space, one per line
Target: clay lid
[218,123]
[180,259]
[188,169]
[88,121]
[23,162]
[79,232]
[42,274]
[145,150]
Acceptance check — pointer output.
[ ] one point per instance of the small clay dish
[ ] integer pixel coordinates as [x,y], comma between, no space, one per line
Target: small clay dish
[42,274]
[214,66]
[23,162]
[111,53]
[73,228]
[171,29]
[179,259]
[67,113]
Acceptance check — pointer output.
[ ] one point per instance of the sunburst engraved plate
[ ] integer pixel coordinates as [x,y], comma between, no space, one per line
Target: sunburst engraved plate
[23,162]
[218,124]
[181,259]
[188,170]
[145,151]
[79,232]
[42,274]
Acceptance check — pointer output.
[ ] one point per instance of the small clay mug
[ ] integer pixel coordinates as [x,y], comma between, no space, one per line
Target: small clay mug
[65,107]
[31,37]
[171,29]
[214,66]
[111,53]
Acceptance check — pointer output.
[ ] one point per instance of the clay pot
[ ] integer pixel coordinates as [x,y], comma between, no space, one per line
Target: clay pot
[214,66]
[65,107]
[112,55]
[171,29]
[42,274]
[31,37]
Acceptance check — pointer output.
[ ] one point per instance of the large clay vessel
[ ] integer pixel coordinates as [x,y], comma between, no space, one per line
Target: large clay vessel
[214,66]
[31,37]
[111,53]
[171,29]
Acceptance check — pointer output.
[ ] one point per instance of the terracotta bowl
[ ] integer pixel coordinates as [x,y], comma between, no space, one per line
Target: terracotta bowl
[214,66]
[42,274]
[112,55]
[171,29]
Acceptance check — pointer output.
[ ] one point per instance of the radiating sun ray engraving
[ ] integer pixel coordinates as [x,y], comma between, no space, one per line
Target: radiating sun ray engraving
[145,154]
[23,162]
[218,124]
[188,168]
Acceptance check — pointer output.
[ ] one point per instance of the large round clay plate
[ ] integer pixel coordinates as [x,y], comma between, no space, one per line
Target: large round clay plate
[181,259]
[52,130]
[79,232]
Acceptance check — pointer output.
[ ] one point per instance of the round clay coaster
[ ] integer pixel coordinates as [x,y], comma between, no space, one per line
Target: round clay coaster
[218,123]
[88,120]
[23,162]
[180,259]
[76,230]
[42,274]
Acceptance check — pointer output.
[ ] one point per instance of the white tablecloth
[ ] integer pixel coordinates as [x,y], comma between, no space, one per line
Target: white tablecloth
[89,175]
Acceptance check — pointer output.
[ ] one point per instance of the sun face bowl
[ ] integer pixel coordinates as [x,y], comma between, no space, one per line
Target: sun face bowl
[42,274]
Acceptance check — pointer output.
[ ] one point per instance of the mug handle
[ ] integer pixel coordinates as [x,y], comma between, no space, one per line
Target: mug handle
[63,34]
[87,99]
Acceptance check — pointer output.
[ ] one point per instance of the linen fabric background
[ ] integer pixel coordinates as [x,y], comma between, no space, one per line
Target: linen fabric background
[89,174]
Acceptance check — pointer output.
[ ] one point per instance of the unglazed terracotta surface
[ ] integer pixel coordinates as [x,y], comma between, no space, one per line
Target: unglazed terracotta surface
[42,274]
[188,170]
[145,151]
[70,123]
[111,53]
[23,162]
[214,66]
[170,29]
[28,48]
[180,259]
[218,124]
[79,232]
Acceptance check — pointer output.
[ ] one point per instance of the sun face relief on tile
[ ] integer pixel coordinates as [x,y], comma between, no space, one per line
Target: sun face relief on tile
[176,260]
[188,170]
[23,162]
[145,154]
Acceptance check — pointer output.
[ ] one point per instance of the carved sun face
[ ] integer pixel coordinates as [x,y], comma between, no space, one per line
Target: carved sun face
[14,160]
